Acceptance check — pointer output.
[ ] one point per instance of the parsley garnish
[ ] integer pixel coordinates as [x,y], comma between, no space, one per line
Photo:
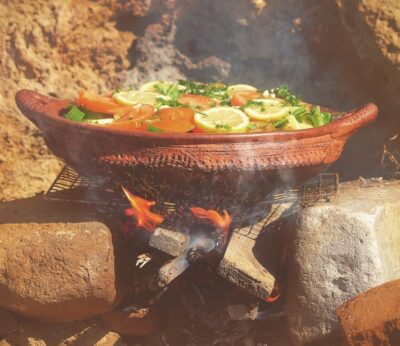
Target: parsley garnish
[212,90]
[284,93]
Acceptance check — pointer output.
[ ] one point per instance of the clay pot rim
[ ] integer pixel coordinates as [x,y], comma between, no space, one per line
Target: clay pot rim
[37,106]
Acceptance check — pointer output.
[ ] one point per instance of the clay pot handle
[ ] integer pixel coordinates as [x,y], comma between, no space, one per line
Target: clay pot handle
[36,106]
[353,120]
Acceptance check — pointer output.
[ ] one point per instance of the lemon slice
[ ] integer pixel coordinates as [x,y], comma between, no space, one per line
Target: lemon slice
[266,109]
[130,98]
[150,86]
[222,120]
[239,87]
[294,124]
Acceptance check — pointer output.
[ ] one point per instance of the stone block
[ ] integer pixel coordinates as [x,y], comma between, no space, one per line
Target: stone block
[57,262]
[372,317]
[252,255]
[170,242]
[338,250]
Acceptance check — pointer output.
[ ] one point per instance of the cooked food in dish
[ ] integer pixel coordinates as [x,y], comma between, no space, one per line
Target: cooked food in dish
[195,107]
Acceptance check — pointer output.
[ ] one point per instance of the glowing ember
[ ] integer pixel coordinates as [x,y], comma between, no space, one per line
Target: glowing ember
[275,294]
[222,222]
[141,211]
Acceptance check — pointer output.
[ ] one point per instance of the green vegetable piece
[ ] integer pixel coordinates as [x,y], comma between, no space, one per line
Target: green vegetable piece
[315,117]
[280,123]
[326,117]
[152,128]
[75,114]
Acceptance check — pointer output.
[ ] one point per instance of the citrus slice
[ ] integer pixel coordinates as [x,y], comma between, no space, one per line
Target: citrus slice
[266,109]
[150,86]
[294,124]
[130,98]
[222,120]
[239,87]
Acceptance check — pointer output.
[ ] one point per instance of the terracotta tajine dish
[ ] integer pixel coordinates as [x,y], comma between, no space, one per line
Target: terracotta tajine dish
[213,170]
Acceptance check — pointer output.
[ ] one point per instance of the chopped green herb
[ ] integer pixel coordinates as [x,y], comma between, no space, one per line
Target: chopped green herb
[171,90]
[284,93]
[75,114]
[226,102]
[152,128]
[166,102]
[212,90]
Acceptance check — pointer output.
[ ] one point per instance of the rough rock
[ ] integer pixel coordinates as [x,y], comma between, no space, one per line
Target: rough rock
[139,323]
[58,48]
[340,249]
[89,332]
[8,323]
[372,317]
[57,261]
[374,27]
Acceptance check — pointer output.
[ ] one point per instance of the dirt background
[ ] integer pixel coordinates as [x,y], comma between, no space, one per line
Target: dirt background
[337,53]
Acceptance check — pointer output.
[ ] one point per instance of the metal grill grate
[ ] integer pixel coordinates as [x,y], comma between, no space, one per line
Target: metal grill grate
[67,179]
[70,186]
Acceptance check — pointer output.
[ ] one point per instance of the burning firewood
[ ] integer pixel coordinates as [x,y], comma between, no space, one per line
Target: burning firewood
[199,250]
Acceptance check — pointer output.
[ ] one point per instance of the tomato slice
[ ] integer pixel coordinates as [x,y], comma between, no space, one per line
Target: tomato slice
[178,126]
[98,104]
[127,125]
[197,130]
[176,113]
[197,101]
[240,98]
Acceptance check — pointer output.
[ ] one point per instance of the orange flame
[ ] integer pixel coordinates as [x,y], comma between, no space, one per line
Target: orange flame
[141,211]
[221,222]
